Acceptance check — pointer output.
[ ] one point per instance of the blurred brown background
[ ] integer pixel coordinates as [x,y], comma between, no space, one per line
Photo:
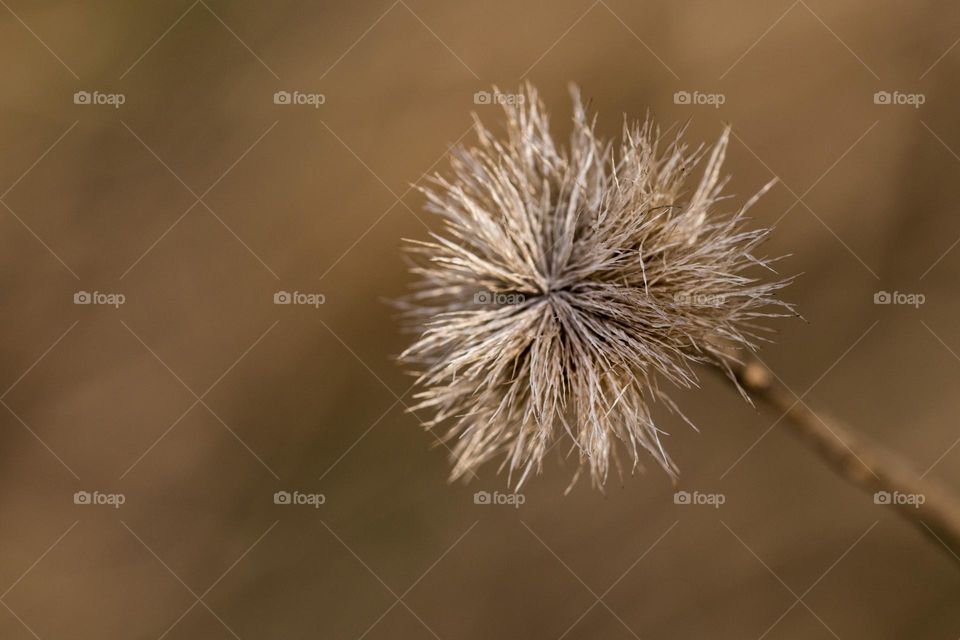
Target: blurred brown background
[197,399]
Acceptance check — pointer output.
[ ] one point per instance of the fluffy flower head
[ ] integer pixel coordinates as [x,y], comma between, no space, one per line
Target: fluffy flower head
[568,283]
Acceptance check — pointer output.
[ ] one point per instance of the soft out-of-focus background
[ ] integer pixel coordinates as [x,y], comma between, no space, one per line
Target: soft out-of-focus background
[199,198]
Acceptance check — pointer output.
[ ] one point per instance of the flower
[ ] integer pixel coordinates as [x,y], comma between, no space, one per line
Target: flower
[567,283]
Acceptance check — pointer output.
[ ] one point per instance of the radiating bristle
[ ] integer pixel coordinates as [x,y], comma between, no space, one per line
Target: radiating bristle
[566,283]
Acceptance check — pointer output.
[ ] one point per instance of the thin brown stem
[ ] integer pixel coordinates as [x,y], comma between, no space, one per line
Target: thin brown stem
[927,505]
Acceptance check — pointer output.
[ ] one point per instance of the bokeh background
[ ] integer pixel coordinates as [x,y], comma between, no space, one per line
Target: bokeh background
[197,399]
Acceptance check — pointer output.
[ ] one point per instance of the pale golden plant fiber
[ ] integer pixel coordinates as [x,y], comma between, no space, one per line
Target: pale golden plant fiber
[567,284]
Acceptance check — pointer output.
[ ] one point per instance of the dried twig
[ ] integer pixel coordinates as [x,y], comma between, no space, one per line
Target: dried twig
[928,506]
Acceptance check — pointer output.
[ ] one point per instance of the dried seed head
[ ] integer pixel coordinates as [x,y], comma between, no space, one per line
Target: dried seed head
[567,283]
